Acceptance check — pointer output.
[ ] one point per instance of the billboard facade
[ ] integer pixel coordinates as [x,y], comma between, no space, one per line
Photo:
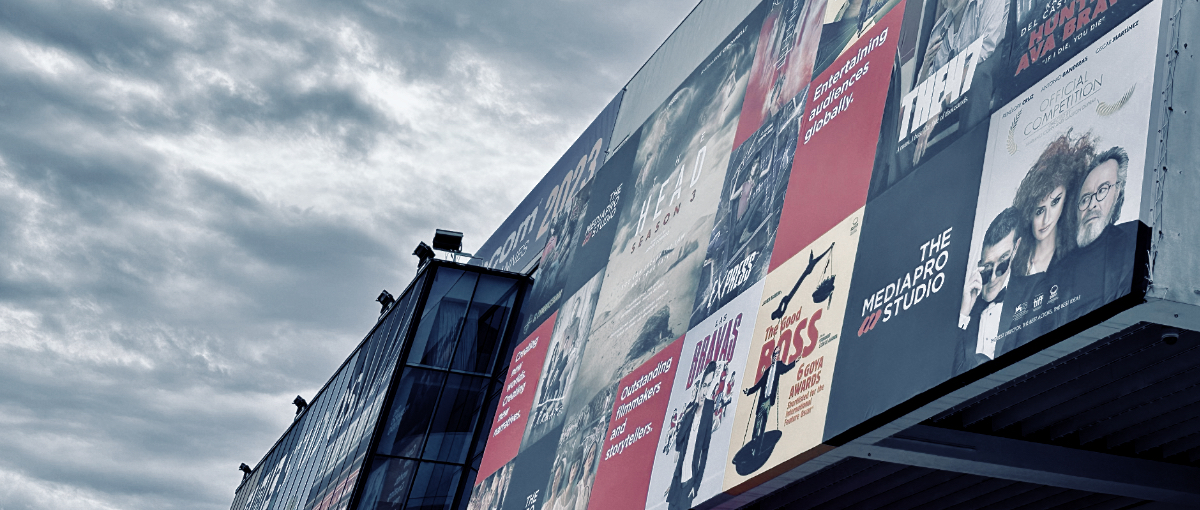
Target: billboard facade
[845,205]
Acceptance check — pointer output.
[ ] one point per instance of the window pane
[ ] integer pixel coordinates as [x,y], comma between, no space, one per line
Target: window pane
[486,320]
[411,410]
[454,424]
[387,488]
[433,488]
[442,319]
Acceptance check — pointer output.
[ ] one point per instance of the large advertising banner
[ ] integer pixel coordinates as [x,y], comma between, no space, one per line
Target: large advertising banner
[783,62]
[623,476]
[662,235]
[783,398]
[945,85]
[1056,228]
[516,399]
[523,236]
[836,146]
[896,339]
[562,361]
[1048,33]
[690,460]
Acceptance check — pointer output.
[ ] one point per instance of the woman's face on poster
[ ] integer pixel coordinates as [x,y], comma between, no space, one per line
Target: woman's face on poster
[1046,214]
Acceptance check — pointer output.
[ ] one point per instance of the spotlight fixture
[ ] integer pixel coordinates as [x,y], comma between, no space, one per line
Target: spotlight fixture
[245,469]
[385,299]
[301,404]
[447,240]
[1170,336]
[423,252]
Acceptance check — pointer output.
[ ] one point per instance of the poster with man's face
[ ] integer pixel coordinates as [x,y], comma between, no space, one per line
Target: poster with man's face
[1068,157]
[783,396]
[662,235]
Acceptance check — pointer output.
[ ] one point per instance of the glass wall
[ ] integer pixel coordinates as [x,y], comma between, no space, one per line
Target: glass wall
[444,347]
[428,447]
[315,465]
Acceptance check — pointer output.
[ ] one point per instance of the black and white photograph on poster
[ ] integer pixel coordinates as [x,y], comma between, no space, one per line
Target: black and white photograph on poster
[1067,160]
[908,277]
[570,483]
[567,344]
[490,493]
[947,86]
[689,465]
[1048,33]
[844,23]
[739,249]
[662,235]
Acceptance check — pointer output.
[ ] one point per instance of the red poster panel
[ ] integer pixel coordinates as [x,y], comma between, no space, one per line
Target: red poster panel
[836,150]
[623,477]
[504,435]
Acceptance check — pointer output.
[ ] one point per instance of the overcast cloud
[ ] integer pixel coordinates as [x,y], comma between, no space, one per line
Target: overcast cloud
[199,202]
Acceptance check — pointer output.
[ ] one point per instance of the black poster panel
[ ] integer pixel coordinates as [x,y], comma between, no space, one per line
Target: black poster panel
[530,472]
[747,221]
[900,331]
[1047,33]
[521,238]
[580,240]
[943,86]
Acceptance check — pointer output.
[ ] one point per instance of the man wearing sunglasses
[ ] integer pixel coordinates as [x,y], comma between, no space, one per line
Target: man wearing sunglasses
[983,295]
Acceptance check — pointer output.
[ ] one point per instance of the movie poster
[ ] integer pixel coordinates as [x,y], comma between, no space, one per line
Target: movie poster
[945,86]
[836,145]
[623,476]
[690,459]
[516,399]
[662,235]
[896,341]
[747,221]
[783,62]
[845,23]
[562,360]
[782,400]
[1048,33]
[1062,186]
[579,452]
[521,239]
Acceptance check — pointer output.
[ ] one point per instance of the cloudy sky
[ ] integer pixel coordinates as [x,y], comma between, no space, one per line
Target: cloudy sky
[200,200]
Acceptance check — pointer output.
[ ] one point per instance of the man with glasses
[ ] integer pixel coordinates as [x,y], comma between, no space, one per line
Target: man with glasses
[1101,268]
[983,295]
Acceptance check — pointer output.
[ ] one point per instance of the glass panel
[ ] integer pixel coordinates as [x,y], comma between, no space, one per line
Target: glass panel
[434,486]
[442,320]
[412,408]
[454,424]
[465,501]
[490,309]
[388,486]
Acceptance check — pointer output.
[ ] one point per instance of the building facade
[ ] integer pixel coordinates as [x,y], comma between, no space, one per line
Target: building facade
[862,254]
